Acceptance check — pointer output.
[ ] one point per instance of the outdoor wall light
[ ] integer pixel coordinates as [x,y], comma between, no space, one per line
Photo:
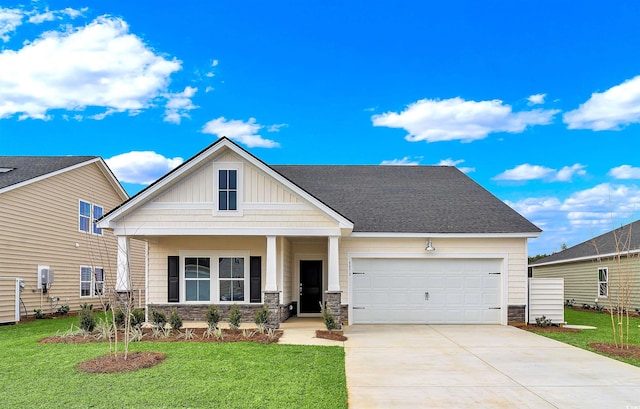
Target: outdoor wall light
[430,246]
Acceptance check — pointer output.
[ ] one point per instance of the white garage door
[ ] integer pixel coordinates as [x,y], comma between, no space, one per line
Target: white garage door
[433,291]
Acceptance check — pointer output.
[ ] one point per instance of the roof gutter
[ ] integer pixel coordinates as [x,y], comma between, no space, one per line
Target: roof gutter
[586,258]
[447,235]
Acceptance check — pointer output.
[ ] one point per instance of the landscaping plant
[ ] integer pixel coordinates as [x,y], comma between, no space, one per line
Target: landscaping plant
[86,320]
[262,318]
[235,316]
[213,316]
[327,317]
[174,320]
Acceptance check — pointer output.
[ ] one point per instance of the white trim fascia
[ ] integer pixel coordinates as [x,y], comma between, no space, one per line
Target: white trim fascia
[58,172]
[276,206]
[216,147]
[235,231]
[446,235]
[587,258]
[504,257]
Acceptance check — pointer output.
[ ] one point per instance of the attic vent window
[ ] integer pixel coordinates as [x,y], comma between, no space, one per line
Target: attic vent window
[5,170]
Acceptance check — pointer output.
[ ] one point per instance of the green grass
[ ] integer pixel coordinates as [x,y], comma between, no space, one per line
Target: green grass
[603,333]
[194,375]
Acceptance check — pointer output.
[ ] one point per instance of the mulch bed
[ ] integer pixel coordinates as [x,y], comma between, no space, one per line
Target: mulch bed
[332,335]
[633,351]
[198,336]
[116,363]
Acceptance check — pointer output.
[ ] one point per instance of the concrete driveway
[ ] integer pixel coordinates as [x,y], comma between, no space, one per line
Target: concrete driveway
[473,366]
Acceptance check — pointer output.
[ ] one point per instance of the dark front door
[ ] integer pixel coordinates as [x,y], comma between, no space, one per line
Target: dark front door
[310,286]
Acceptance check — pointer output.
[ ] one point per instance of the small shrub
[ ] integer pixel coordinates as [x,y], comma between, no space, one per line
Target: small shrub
[247,333]
[570,303]
[543,322]
[38,313]
[218,334]
[262,318]
[213,316]
[327,317]
[174,320]
[118,318]
[85,317]
[137,317]
[104,329]
[63,309]
[158,318]
[235,316]
[135,334]
[187,334]
[271,334]
[586,306]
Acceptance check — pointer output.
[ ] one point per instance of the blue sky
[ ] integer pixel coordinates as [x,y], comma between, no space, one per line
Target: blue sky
[539,102]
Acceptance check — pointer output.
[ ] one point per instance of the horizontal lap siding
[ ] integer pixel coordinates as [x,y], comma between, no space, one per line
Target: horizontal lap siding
[546,298]
[39,225]
[7,300]
[581,280]
[515,248]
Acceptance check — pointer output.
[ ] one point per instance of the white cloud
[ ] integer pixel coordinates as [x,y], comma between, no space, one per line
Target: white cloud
[534,172]
[581,216]
[451,162]
[243,132]
[141,167]
[179,104]
[10,19]
[536,99]
[433,120]
[42,17]
[609,110]
[214,63]
[625,172]
[406,161]
[99,65]
[50,15]
[208,89]
[276,127]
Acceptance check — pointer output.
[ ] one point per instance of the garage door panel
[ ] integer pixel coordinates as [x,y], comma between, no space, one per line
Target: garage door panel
[459,291]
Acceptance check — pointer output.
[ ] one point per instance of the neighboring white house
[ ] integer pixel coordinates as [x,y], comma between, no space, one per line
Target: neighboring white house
[377,244]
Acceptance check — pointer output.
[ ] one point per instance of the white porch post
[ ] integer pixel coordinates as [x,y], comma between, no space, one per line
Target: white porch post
[122,274]
[271,276]
[333,265]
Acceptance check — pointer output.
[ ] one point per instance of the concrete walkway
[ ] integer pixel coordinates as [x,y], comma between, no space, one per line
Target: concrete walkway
[455,366]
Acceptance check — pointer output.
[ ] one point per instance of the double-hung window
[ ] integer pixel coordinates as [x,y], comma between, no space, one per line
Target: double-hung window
[232,278]
[603,282]
[197,278]
[91,281]
[88,214]
[227,189]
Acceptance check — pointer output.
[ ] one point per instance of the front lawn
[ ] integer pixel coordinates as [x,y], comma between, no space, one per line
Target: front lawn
[603,333]
[194,375]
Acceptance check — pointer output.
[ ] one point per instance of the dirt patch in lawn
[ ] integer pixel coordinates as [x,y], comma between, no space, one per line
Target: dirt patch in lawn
[551,328]
[332,335]
[633,351]
[117,363]
[191,335]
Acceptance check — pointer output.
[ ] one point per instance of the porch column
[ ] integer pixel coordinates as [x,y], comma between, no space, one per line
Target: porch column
[334,294]
[271,294]
[122,273]
[271,283]
[333,266]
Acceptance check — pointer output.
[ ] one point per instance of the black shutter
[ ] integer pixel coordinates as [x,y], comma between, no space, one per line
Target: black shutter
[255,279]
[174,279]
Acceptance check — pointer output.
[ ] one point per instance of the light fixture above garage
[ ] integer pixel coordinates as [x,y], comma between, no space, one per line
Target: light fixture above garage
[430,246]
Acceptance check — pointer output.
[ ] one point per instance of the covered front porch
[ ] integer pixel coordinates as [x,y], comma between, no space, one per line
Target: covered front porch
[291,275]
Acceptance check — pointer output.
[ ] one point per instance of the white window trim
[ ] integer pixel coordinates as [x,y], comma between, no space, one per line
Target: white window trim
[239,167]
[92,283]
[214,281]
[606,269]
[92,221]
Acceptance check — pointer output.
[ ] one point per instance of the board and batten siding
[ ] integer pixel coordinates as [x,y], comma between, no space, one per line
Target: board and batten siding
[514,248]
[190,202]
[581,280]
[546,299]
[39,226]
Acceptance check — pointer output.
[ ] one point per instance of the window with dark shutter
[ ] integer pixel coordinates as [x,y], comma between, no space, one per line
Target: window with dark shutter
[255,279]
[174,279]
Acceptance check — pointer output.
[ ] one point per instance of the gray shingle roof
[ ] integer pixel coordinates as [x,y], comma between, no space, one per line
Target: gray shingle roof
[601,245]
[408,199]
[30,167]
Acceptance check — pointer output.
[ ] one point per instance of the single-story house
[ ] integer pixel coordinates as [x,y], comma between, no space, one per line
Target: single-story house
[376,244]
[49,240]
[600,270]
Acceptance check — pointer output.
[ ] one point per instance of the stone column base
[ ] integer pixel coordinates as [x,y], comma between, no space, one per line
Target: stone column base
[334,304]
[272,301]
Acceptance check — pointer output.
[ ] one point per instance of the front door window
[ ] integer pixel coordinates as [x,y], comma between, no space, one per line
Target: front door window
[310,286]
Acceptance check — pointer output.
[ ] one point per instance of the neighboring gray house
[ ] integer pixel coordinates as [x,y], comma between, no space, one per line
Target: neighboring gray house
[593,272]
[48,207]
[378,244]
